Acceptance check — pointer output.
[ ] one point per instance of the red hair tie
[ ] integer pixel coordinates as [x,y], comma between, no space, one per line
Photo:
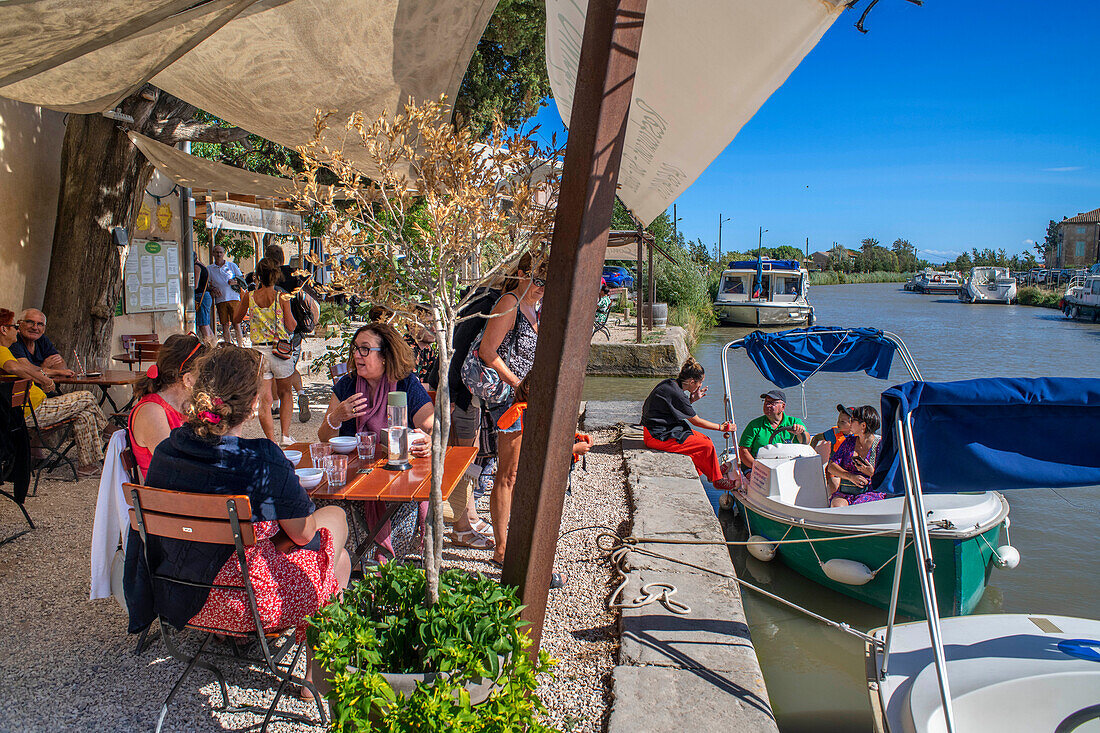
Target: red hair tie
[152,372]
[210,417]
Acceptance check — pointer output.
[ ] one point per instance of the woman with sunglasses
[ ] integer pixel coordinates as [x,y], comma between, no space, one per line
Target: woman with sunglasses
[161,394]
[380,362]
[508,346]
[80,406]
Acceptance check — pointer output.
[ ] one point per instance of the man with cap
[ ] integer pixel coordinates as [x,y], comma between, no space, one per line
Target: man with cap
[770,428]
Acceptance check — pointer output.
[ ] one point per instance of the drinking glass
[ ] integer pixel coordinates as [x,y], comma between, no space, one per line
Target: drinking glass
[317,453]
[365,446]
[336,469]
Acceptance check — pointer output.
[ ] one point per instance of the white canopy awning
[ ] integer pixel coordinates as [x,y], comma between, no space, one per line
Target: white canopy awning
[704,69]
[264,65]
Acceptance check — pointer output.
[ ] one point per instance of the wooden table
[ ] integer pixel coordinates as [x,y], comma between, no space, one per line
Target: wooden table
[106,380]
[125,358]
[369,481]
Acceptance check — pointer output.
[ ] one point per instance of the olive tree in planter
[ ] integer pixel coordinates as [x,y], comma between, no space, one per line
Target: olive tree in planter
[433,215]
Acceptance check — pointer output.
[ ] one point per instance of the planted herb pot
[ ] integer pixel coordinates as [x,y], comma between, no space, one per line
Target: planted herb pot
[384,658]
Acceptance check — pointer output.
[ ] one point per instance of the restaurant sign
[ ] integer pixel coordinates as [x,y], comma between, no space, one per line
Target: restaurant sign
[222,215]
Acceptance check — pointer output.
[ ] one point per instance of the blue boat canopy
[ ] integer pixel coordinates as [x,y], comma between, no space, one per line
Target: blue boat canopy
[789,358]
[767,265]
[994,434]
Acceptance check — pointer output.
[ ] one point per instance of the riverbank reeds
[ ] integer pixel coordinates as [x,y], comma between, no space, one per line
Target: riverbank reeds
[694,321]
[832,277]
[1038,297]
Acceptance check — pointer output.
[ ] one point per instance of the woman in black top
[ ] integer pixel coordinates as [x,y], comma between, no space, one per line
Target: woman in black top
[667,417]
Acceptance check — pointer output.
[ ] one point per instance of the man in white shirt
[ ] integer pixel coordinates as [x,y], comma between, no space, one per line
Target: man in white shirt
[223,273]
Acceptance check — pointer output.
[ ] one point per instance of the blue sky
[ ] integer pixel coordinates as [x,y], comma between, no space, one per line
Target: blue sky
[953,125]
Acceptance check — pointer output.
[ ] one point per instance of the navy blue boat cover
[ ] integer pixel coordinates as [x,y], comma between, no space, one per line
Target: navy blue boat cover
[994,434]
[773,264]
[788,358]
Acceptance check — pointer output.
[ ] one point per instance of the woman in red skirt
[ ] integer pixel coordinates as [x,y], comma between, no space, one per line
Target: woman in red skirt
[667,419]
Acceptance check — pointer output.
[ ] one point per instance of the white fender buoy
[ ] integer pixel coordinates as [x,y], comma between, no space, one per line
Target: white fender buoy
[849,572]
[725,500]
[1007,557]
[761,548]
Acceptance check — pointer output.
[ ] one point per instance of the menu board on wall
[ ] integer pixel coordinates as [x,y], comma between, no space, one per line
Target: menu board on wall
[151,278]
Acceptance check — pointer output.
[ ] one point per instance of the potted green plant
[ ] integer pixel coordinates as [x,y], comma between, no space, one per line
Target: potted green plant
[387,661]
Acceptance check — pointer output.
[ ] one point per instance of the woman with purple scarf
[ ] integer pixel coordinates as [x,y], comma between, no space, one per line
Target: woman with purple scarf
[379,362]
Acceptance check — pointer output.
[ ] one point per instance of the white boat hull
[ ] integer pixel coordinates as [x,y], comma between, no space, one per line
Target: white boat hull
[1007,673]
[763,313]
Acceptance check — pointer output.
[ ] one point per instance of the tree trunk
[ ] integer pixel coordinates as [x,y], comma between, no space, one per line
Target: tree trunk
[102,178]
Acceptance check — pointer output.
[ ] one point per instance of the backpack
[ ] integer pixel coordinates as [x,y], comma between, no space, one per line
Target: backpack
[466,331]
[303,314]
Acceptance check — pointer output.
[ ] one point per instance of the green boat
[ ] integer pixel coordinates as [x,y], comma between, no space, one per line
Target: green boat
[783,503]
[853,549]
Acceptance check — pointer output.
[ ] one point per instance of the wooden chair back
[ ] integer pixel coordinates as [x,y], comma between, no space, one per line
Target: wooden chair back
[146,351]
[129,462]
[148,338]
[20,392]
[337,370]
[183,515]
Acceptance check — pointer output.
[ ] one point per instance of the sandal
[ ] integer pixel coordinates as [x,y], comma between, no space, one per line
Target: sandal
[482,527]
[472,539]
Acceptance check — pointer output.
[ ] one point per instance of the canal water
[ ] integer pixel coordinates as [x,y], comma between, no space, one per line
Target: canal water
[815,674]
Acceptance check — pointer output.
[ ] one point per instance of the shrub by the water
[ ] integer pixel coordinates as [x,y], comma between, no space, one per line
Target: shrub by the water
[832,277]
[1038,297]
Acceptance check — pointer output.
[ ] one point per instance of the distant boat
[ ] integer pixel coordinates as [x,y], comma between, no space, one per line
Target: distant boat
[989,285]
[764,292]
[931,282]
[1082,298]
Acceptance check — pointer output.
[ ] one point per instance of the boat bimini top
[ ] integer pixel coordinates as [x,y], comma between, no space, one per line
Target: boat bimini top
[976,435]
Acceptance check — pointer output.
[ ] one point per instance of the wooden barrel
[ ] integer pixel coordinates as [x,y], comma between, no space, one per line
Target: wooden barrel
[660,314]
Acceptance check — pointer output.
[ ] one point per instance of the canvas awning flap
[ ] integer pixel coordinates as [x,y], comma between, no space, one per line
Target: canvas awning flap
[225,215]
[702,74]
[266,66]
[191,171]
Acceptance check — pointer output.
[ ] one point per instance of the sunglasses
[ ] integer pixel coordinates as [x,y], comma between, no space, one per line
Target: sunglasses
[538,282]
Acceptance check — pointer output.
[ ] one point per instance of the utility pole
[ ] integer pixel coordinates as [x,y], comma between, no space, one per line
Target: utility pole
[720,220]
[759,240]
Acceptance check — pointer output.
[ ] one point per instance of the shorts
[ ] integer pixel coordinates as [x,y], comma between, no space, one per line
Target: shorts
[203,309]
[466,423]
[226,309]
[273,366]
[496,412]
[296,348]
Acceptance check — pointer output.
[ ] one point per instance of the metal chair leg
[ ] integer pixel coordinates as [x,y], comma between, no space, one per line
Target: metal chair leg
[175,688]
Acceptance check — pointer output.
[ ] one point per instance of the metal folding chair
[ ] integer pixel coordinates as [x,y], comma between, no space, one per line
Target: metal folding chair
[18,440]
[57,440]
[221,519]
[599,325]
[336,371]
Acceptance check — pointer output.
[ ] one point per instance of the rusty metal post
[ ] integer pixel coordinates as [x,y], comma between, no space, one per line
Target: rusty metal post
[652,284]
[597,127]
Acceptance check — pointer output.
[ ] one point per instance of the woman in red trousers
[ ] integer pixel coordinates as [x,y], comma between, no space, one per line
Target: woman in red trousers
[667,419]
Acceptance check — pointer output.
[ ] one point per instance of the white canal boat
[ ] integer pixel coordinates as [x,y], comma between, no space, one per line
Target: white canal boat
[764,292]
[999,672]
[1082,298]
[989,285]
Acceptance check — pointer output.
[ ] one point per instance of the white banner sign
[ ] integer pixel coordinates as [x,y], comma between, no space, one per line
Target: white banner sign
[222,215]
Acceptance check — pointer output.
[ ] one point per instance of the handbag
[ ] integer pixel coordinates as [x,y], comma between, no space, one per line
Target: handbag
[282,349]
[483,381]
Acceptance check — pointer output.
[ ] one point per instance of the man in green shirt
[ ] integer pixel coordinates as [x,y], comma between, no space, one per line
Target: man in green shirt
[770,428]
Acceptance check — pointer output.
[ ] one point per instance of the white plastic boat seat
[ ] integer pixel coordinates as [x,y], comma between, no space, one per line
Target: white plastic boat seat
[791,474]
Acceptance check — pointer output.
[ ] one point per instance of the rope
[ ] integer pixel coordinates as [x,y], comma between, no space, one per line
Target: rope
[619,548]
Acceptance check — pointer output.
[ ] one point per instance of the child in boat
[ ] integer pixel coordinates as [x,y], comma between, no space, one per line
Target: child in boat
[853,462]
[826,443]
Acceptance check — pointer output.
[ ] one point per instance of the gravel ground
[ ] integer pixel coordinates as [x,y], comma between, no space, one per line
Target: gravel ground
[66,663]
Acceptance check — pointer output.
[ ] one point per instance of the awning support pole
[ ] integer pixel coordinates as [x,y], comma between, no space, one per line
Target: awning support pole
[597,128]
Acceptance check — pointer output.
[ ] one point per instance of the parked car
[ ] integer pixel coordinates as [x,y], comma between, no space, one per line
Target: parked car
[618,277]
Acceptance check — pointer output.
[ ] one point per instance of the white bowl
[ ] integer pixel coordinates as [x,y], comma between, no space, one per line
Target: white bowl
[309,477]
[294,456]
[343,444]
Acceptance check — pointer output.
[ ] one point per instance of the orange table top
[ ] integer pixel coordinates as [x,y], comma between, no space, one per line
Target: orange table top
[379,484]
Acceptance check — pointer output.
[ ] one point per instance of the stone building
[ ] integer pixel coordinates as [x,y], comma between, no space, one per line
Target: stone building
[1079,243]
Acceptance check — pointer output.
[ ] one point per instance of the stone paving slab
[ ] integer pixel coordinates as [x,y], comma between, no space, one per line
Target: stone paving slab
[608,414]
[670,699]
